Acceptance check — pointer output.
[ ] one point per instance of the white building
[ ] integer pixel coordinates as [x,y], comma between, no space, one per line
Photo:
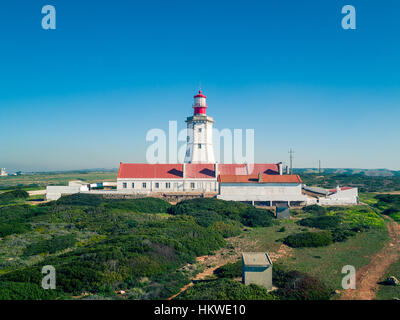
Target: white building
[330,197]
[147,179]
[3,172]
[200,140]
[268,189]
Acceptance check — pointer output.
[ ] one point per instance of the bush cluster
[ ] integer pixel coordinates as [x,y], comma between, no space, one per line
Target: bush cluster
[230,270]
[294,285]
[211,209]
[309,239]
[11,196]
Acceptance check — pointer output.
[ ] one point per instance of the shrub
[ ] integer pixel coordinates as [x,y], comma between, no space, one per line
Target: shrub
[309,239]
[141,205]
[24,291]
[295,285]
[230,270]
[10,196]
[80,199]
[225,289]
[50,246]
[248,215]
[227,229]
[321,222]
[314,209]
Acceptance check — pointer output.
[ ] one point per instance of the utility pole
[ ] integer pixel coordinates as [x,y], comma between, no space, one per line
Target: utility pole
[291,152]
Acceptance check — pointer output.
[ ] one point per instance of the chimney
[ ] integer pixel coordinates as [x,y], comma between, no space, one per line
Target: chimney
[183,170]
[216,170]
[260,177]
[337,189]
[280,168]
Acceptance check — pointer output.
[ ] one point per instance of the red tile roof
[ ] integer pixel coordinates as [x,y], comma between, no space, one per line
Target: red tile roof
[202,171]
[150,171]
[341,189]
[192,170]
[254,178]
[243,169]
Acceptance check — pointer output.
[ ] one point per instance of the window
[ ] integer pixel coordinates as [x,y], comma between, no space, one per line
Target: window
[133,185]
[199,129]
[187,138]
[188,153]
[192,185]
[157,185]
[124,185]
[167,185]
[144,185]
[199,145]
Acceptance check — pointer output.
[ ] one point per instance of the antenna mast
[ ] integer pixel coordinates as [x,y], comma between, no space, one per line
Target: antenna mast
[291,152]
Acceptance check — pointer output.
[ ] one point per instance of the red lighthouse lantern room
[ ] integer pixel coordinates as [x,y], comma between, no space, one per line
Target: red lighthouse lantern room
[200,104]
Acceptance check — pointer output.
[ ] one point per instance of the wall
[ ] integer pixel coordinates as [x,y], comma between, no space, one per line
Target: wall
[261,276]
[176,185]
[261,192]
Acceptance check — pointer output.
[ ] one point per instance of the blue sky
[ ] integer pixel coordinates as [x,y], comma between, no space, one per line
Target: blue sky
[85,95]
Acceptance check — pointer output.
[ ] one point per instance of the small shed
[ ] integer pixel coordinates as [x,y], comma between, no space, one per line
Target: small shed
[282,211]
[257,269]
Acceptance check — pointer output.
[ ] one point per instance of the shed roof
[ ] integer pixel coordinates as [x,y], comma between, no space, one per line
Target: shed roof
[256,259]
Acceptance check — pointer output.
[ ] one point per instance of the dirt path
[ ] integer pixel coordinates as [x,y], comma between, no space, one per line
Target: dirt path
[369,275]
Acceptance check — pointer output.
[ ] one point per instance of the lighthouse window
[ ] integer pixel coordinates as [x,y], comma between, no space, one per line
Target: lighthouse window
[187,138]
[199,145]
[199,129]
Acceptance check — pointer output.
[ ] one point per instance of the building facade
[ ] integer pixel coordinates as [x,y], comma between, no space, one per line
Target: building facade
[269,190]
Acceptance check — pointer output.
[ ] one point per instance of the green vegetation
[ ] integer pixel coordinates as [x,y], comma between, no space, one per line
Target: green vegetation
[50,246]
[148,247]
[24,291]
[309,239]
[230,270]
[295,285]
[363,182]
[13,196]
[211,210]
[225,289]
[389,205]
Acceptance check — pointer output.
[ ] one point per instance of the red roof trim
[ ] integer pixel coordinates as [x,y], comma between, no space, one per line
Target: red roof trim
[255,179]
[200,95]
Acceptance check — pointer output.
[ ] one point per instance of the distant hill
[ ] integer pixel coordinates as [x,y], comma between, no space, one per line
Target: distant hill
[349,171]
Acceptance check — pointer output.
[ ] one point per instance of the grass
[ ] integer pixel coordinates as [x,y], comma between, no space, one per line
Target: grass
[386,292]
[37,181]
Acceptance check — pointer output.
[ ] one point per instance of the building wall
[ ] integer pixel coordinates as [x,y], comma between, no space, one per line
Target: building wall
[261,276]
[176,185]
[342,197]
[55,192]
[261,192]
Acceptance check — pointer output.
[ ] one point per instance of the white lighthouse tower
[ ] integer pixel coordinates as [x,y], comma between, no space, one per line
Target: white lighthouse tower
[199,140]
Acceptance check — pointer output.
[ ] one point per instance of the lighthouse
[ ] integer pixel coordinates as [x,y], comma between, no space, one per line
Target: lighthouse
[199,139]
